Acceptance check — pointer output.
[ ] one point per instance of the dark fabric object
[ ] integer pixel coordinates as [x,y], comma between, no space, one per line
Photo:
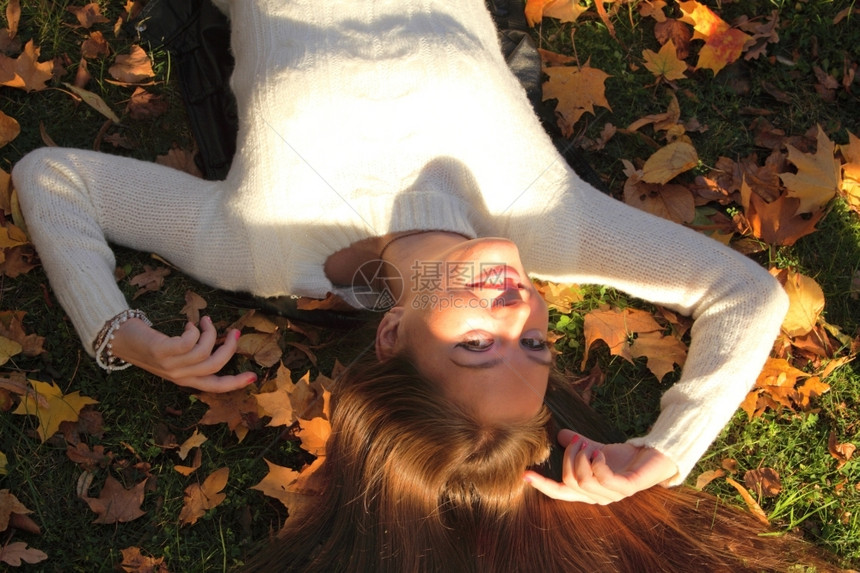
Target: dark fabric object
[197,35]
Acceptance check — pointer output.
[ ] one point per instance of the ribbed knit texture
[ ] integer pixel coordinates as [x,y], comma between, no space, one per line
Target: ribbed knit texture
[361,118]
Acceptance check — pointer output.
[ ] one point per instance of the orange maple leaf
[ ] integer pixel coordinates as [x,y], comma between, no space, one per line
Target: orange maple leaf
[674,202]
[314,434]
[615,327]
[26,72]
[669,161]
[577,89]
[777,222]
[662,353]
[850,190]
[723,44]
[818,177]
[564,10]
[133,67]
[238,409]
[665,63]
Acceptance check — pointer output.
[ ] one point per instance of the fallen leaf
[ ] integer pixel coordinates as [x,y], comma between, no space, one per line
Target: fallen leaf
[841,452]
[559,296]
[662,353]
[150,280]
[9,129]
[665,63]
[12,327]
[89,459]
[13,16]
[262,348]
[616,328]
[195,464]
[277,483]
[238,409]
[200,498]
[671,201]
[777,222]
[4,463]
[314,434]
[723,44]
[707,477]
[88,15]
[16,552]
[51,407]
[180,159]
[753,506]
[115,504]
[133,67]
[95,46]
[764,482]
[669,161]
[564,10]
[194,441]
[133,561]
[806,303]
[9,508]
[26,72]
[94,101]
[194,303]
[8,349]
[144,105]
[818,176]
[577,89]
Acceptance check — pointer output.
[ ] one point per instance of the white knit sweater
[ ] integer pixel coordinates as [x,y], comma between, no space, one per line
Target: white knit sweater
[360,118]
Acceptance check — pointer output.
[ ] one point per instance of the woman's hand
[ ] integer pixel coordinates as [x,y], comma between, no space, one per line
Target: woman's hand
[188,360]
[603,473]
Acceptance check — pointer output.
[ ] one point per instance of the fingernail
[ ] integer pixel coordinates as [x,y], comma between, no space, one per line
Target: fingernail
[527,478]
[594,454]
[575,439]
[236,334]
[252,380]
[583,445]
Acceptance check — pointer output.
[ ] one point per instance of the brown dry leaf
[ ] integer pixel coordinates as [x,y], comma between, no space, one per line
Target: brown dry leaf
[145,105]
[95,46]
[841,452]
[678,32]
[661,352]
[13,16]
[195,464]
[194,303]
[672,201]
[26,72]
[311,399]
[764,482]
[811,388]
[94,101]
[9,129]
[115,504]
[18,552]
[202,497]
[150,280]
[180,159]
[89,459]
[9,508]
[262,348]
[806,302]
[8,349]
[88,15]
[564,10]
[51,407]
[12,327]
[665,63]
[277,483]
[723,44]
[276,404]
[753,506]
[616,327]
[577,89]
[194,441]
[238,409]
[133,561]
[132,68]
[707,477]
[818,177]
[850,189]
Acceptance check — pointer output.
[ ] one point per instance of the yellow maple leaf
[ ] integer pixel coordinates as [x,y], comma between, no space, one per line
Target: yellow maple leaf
[665,63]
[564,10]
[669,161]
[8,349]
[51,407]
[577,89]
[806,302]
[9,129]
[818,177]
[850,190]
[26,72]
[314,434]
[278,483]
[662,353]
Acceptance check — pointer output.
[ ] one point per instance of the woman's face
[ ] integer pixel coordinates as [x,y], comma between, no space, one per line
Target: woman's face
[474,323]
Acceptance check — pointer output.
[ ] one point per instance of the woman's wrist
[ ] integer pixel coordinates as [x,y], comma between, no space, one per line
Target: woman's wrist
[104,342]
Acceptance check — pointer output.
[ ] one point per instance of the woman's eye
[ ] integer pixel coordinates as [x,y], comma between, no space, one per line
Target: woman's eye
[534,343]
[476,344]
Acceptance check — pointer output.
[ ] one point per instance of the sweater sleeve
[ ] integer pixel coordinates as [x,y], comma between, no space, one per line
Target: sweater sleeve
[76,202]
[587,237]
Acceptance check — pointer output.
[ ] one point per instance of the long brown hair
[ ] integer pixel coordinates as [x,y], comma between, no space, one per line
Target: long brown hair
[415,483]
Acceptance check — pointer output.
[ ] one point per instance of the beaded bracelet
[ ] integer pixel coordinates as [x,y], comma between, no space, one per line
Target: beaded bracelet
[103,344]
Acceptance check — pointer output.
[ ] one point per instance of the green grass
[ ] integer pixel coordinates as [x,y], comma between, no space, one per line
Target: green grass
[817,499]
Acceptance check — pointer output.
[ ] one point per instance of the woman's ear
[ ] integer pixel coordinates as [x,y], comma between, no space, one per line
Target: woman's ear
[387,334]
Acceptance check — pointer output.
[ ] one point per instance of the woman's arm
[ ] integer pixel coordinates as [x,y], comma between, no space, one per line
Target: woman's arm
[75,201]
[589,238]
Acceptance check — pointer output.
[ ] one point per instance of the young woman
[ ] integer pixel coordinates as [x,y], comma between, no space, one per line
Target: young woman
[368,131]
